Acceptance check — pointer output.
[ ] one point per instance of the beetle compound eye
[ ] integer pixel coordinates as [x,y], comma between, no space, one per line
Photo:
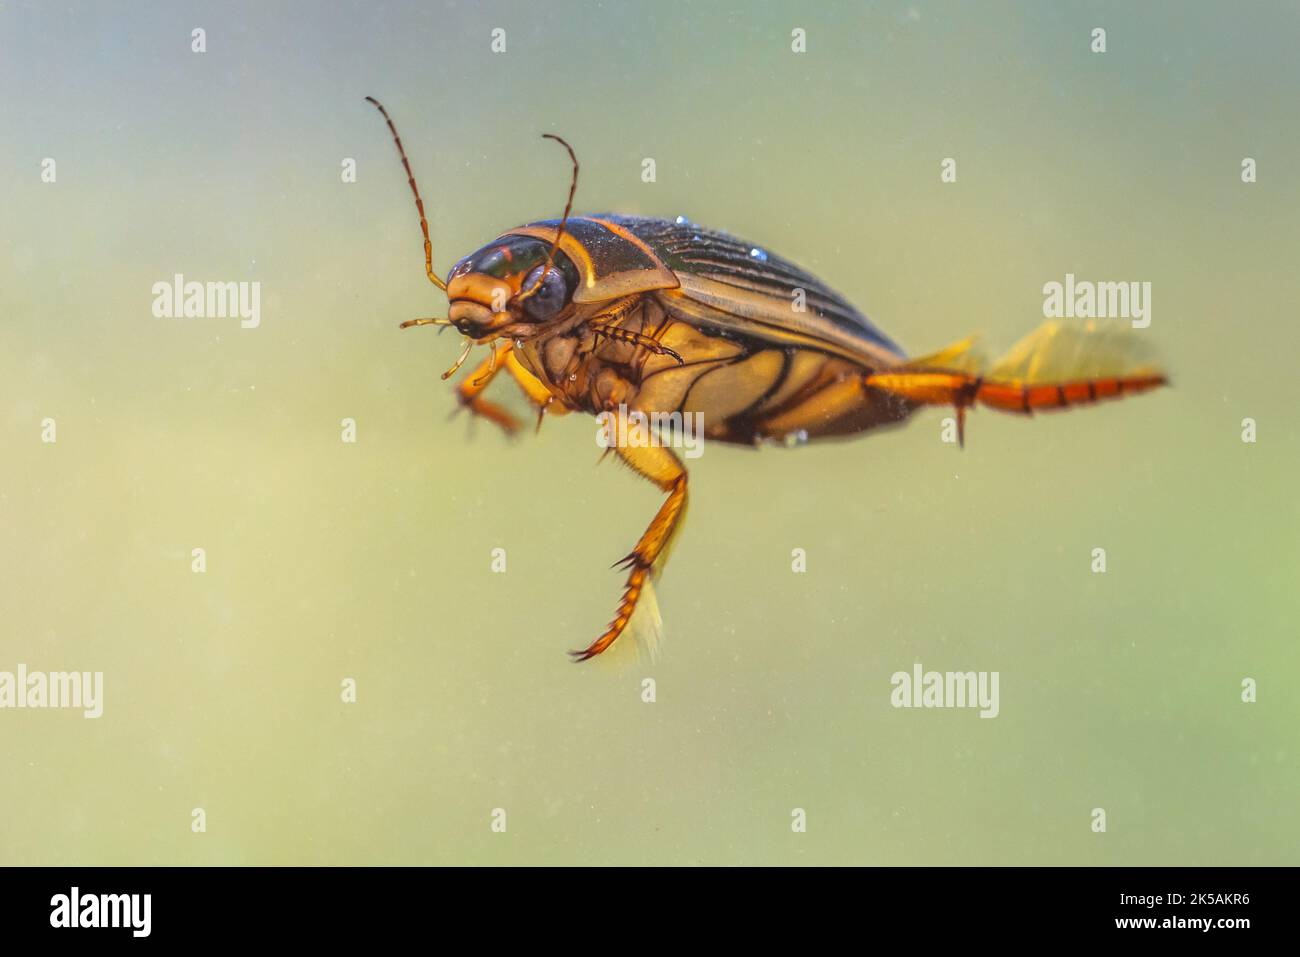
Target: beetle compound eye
[548,297]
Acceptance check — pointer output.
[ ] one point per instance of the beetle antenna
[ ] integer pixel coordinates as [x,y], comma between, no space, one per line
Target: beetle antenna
[568,208]
[419,203]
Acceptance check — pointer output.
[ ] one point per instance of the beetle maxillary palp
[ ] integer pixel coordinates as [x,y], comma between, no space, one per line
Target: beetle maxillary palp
[460,360]
[492,365]
[428,321]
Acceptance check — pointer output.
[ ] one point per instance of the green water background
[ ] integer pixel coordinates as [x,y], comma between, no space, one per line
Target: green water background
[372,561]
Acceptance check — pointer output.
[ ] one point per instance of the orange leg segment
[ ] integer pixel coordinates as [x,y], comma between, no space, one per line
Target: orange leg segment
[665,469]
[1027,399]
[471,388]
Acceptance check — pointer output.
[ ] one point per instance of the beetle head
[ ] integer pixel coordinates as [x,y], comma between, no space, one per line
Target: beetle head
[507,289]
[514,287]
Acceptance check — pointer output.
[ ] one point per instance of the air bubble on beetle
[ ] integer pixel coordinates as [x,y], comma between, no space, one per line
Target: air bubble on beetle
[758,254]
[799,437]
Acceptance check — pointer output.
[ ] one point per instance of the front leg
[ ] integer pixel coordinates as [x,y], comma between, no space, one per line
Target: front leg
[470,391]
[665,469]
[541,397]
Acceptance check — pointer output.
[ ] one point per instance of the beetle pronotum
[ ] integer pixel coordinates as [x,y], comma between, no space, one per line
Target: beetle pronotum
[610,313]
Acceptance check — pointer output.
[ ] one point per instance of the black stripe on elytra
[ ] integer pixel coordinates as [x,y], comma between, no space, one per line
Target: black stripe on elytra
[784,288]
[853,323]
[762,275]
[688,246]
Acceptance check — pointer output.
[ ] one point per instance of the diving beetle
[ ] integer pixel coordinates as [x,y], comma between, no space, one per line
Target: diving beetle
[606,312]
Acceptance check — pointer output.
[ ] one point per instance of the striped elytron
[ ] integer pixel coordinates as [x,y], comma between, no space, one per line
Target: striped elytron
[603,313]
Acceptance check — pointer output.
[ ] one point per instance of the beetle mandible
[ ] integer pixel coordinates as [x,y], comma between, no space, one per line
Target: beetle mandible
[626,314]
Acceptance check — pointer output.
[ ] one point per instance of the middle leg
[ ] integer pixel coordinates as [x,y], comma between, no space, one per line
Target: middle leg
[662,467]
